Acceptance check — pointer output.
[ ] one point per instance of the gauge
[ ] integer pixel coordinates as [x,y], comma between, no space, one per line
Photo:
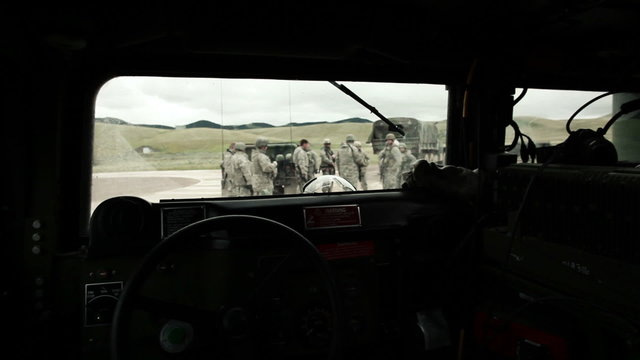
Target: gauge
[317,326]
[176,336]
[100,302]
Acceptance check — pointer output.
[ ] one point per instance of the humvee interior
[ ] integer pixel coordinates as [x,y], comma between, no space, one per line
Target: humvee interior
[519,240]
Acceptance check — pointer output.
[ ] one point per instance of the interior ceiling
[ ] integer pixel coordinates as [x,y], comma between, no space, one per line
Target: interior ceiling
[571,44]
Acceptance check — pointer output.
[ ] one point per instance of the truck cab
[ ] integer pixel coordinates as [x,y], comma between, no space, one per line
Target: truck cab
[111,251]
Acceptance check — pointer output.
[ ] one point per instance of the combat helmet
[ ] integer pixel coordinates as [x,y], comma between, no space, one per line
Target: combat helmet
[326,142]
[390,136]
[260,142]
[402,145]
[350,138]
[241,146]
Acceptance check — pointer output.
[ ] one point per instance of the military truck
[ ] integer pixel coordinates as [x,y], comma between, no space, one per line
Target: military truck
[286,181]
[421,137]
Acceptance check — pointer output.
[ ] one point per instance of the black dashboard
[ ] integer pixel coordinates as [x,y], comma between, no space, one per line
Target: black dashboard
[380,248]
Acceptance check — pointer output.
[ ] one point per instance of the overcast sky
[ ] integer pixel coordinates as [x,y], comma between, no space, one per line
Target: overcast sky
[180,101]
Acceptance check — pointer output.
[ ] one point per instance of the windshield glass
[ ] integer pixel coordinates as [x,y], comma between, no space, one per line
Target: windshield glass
[184,138]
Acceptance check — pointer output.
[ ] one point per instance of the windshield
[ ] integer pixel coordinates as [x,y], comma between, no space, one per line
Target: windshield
[183,138]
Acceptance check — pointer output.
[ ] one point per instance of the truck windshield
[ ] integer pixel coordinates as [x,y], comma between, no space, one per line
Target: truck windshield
[182,138]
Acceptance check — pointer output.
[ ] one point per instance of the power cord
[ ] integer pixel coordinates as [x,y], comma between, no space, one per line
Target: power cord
[523,202]
[522,94]
[527,151]
[568,125]
[625,108]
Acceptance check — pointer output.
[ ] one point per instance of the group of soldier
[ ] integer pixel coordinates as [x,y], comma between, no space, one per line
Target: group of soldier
[349,161]
[395,160]
[244,177]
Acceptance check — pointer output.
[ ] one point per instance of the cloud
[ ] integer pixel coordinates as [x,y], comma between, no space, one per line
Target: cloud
[561,104]
[179,101]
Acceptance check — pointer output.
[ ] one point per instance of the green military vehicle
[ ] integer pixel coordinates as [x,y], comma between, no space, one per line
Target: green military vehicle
[286,181]
[421,137]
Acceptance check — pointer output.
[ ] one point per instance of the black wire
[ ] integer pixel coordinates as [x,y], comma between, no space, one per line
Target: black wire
[523,149]
[568,125]
[612,120]
[525,197]
[469,236]
[514,125]
[516,130]
[82,252]
[522,94]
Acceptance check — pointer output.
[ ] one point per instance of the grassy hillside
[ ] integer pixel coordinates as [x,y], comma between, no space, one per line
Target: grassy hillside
[553,131]
[119,147]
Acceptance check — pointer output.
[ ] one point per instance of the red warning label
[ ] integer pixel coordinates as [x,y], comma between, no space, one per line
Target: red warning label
[331,216]
[346,250]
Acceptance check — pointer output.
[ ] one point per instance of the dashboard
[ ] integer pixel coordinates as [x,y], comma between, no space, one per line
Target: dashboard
[380,248]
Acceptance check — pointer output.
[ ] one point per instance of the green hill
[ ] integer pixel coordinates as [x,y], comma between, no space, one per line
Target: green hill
[258,125]
[120,147]
[553,131]
[135,148]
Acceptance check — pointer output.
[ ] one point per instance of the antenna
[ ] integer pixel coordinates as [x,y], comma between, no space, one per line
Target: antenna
[221,122]
[290,126]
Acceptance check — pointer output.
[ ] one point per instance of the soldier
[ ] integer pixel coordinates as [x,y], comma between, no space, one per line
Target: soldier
[315,160]
[349,160]
[225,166]
[263,170]
[390,160]
[303,162]
[290,167]
[327,159]
[291,182]
[280,180]
[362,168]
[407,161]
[240,172]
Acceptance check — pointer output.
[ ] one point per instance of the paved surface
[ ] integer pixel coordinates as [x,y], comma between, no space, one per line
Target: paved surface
[174,184]
[155,185]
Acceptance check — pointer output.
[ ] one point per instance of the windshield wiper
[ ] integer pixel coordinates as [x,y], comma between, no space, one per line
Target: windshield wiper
[344,89]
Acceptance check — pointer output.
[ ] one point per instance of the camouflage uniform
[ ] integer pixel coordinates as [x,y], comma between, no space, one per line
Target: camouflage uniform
[291,186]
[240,172]
[407,161]
[304,166]
[263,170]
[315,160]
[226,167]
[327,159]
[348,161]
[390,161]
[363,168]
[280,180]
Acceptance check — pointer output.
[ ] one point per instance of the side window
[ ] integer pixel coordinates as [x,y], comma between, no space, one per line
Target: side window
[542,115]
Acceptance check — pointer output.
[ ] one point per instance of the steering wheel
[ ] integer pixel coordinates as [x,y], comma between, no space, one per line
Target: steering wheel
[230,325]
